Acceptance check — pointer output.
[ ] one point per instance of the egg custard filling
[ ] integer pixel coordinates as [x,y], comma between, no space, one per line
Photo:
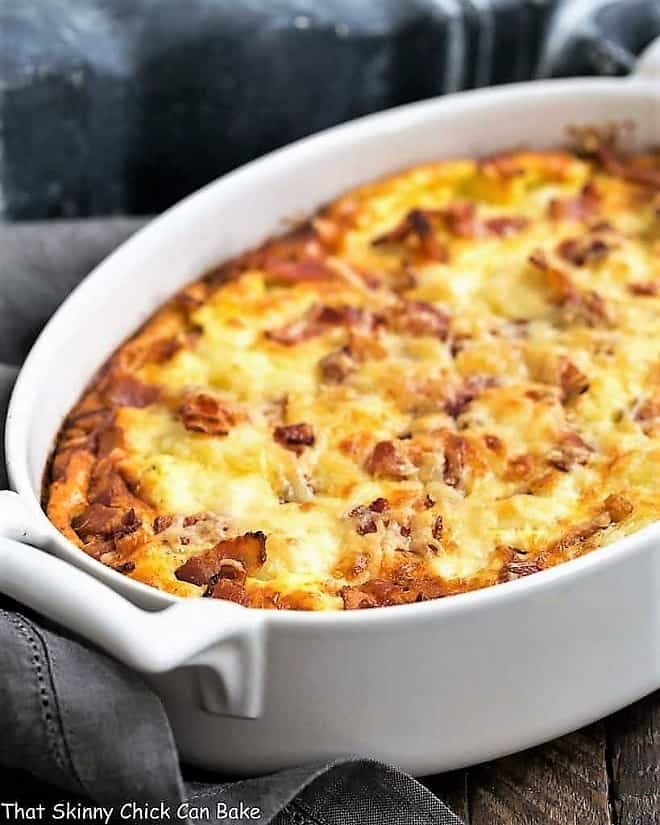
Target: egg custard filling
[446,379]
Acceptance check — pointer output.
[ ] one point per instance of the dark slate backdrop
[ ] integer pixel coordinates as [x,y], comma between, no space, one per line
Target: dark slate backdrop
[124,106]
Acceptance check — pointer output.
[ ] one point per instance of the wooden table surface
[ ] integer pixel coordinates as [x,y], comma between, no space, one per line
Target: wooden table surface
[605,774]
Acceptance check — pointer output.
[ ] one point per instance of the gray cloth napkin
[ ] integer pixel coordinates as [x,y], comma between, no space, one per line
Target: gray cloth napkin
[79,720]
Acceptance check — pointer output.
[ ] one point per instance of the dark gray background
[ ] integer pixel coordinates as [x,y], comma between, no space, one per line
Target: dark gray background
[124,106]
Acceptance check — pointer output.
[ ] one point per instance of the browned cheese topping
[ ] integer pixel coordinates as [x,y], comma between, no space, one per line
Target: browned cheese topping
[446,379]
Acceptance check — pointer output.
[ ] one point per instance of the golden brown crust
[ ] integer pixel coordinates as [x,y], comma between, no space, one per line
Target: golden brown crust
[445,380]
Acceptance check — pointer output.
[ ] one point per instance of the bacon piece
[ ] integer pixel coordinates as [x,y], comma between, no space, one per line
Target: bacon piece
[382,593]
[329,229]
[102,550]
[90,421]
[285,273]
[379,505]
[232,570]
[192,296]
[84,430]
[426,589]
[124,567]
[356,598]
[580,533]
[539,394]
[316,321]
[192,519]
[562,286]
[505,225]
[458,344]
[618,507]
[228,590]
[161,350]
[101,520]
[364,520]
[385,461]
[602,145]
[365,517]
[303,244]
[421,226]
[374,593]
[162,523]
[649,409]
[355,564]
[589,306]
[420,318]
[646,288]
[648,412]
[628,169]
[614,509]
[518,568]
[570,451]
[249,549]
[203,413]
[337,365]
[295,437]
[461,219]
[455,454]
[74,440]
[396,235]
[642,175]
[416,224]
[539,259]
[493,442]
[108,487]
[581,251]
[128,391]
[573,381]
[109,440]
[464,395]
[359,320]
[579,208]
[332,315]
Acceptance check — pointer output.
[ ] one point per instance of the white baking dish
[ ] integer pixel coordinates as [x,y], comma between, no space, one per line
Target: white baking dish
[429,686]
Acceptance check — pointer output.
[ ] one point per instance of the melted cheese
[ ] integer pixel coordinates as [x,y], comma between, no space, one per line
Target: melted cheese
[505,326]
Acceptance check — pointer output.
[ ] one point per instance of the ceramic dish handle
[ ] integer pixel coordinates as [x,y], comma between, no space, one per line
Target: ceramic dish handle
[648,63]
[224,641]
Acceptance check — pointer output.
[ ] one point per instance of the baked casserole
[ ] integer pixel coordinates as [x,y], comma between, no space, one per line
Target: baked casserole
[446,379]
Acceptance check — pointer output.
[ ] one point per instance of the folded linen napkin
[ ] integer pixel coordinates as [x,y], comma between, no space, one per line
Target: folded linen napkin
[77,719]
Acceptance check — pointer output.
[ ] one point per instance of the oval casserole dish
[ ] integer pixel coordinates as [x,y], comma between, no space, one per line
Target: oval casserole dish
[430,685]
